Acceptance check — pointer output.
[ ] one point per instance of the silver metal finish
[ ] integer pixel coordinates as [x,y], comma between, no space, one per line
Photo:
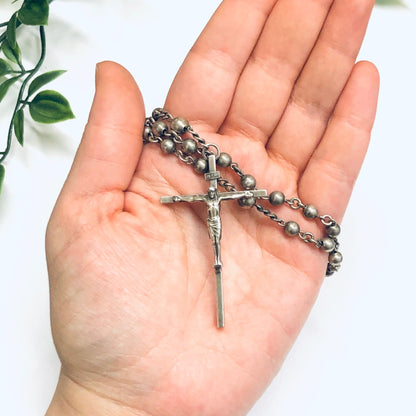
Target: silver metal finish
[160,128]
[213,199]
[168,146]
[277,198]
[309,211]
[248,181]
[224,160]
[328,244]
[220,298]
[147,133]
[247,202]
[200,165]
[189,146]
[295,203]
[180,125]
[333,230]
[292,228]
[335,258]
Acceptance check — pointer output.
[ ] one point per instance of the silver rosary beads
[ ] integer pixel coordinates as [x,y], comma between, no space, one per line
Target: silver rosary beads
[177,137]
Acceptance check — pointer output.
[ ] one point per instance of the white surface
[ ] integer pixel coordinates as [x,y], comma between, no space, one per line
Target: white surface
[356,354]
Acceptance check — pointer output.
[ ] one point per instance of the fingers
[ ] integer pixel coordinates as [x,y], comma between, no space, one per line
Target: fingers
[268,78]
[204,86]
[329,177]
[110,147]
[321,82]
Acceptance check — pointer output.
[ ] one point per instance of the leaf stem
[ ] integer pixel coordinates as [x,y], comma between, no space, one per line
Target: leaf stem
[22,89]
[4,24]
[22,72]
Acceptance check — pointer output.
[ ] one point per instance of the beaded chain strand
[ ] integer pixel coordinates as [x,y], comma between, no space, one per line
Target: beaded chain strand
[176,136]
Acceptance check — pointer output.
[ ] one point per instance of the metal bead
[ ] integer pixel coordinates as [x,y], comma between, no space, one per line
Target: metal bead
[277,198]
[160,128]
[292,228]
[200,165]
[189,146]
[328,244]
[329,270]
[335,258]
[224,160]
[156,113]
[180,125]
[147,133]
[309,211]
[168,146]
[248,182]
[333,230]
[246,202]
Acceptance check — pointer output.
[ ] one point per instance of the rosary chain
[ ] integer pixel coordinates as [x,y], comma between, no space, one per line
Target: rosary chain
[158,131]
[270,214]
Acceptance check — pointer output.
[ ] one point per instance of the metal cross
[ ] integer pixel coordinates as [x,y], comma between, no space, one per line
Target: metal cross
[213,200]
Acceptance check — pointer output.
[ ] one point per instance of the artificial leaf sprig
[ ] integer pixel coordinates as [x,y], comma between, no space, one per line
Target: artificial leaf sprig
[390,3]
[46,106]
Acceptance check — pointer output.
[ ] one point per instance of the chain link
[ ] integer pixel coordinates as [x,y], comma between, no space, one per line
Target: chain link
[327,220]
[270,214]
[310,238]
[229,187]
[236,169]
[295,203]
[188,159]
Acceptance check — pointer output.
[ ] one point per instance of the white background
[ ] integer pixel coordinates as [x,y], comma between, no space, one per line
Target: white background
[356,354]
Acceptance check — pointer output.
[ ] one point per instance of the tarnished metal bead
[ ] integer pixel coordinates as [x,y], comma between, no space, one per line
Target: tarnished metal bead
[246,202]
[200,165]
[292,228]
[329,270]
[309,211]
[224,160]
[248,182]
[160,128]
[328,244]
[168,146]
[180,125]
[335,258]
[157,112]
[333,230]
[189,146]
[147,133]
[277,198]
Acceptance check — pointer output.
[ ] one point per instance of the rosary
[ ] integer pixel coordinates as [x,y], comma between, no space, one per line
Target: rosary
[176,136]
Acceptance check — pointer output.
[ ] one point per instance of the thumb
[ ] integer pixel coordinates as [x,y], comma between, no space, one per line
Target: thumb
[112,141]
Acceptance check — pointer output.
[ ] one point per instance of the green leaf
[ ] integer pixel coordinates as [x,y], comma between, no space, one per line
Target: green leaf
[42,80]
[4,87]
[50,107]
[2,172]
[18,124]
[11,31]
[390,3]
[34,12]
[5,68]
[13,54]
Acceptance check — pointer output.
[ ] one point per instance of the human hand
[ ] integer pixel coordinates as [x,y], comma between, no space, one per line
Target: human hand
[132,284]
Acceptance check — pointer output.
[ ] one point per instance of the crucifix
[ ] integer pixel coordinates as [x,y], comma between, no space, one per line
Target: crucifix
[213,200]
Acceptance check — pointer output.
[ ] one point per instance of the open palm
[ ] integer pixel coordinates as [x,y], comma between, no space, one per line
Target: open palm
[274,84]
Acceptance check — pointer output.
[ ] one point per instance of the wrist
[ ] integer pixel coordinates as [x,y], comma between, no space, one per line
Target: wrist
[72,399]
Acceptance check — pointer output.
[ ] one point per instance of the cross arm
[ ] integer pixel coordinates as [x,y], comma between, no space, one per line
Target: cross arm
[241,194]
[182,198]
